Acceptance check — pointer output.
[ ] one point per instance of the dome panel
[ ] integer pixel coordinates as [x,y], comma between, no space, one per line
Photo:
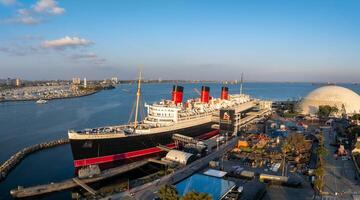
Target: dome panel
[344,99]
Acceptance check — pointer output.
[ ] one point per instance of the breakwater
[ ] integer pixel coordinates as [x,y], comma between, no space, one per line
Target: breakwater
[15,159]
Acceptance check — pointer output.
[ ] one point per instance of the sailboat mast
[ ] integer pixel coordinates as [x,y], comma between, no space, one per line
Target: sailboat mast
[241,83]
[137,102]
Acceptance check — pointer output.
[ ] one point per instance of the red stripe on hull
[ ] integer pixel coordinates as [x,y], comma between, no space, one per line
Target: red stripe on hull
[133,154]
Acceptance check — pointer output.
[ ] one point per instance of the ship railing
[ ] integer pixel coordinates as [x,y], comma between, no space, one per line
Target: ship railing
[102,130]
[194,117]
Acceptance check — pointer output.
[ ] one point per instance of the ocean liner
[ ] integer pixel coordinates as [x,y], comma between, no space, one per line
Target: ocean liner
[126,142]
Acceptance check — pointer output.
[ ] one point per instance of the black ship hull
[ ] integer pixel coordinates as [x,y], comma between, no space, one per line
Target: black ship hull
[92,151]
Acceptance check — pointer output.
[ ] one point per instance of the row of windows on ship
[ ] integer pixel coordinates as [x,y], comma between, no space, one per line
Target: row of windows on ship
[163,114]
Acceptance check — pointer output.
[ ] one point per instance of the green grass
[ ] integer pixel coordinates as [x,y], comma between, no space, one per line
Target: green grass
[290,115]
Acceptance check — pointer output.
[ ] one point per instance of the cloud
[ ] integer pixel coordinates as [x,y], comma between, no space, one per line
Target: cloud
[48,6]
[19,50]
[26,20]
[22,46]
[36,14]
[9,2]
[67,47]
[88,57]
[66,42]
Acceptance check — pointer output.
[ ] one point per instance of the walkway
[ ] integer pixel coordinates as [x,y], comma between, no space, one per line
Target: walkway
[339,174]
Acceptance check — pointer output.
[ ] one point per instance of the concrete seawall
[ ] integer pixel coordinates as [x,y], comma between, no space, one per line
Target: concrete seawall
[15,159]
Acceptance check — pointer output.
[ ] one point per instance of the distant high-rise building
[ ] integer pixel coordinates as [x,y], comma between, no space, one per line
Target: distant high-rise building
[114,79]
[85,84]
[8,81]
[76,80]
[17,82]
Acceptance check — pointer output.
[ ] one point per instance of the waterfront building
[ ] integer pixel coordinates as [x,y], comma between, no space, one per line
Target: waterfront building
[114,80]
[76,81]
[346,100]
[85,84]
[18,82]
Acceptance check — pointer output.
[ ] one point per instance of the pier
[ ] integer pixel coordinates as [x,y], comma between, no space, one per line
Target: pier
[74,182]
[14,160]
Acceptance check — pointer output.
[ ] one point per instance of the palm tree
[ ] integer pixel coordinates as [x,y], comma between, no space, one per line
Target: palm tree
[285,149]
[321,152]
[319,184]
[196,196]
[168,192]
[319,172]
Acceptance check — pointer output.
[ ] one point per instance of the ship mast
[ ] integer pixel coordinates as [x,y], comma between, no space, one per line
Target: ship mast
[241,83]
[137,102]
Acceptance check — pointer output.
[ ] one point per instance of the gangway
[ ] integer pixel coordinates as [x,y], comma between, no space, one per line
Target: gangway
[178,138]
[163,147]
[83,185]
[157,161]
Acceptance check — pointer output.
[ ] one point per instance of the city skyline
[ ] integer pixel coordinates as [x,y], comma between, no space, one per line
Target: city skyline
[307,41]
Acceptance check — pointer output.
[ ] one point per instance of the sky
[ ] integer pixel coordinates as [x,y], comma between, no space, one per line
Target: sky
[269,40]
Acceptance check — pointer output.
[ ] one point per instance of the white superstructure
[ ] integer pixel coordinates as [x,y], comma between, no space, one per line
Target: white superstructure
[166,112]
[165,116]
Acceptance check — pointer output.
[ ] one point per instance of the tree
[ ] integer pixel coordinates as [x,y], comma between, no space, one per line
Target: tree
[196,196]
[334,110]
[325,111]
[355,117]
[352,133]
[168,192]
[319,184]
[319,172]
[343,111]
[285,149]
[296,141]
[321,152]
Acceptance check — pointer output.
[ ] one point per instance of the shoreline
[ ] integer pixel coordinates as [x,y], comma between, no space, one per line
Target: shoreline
[56,98]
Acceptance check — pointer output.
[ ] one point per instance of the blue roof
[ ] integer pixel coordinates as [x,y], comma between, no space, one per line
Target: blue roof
[216,187]
[279,133]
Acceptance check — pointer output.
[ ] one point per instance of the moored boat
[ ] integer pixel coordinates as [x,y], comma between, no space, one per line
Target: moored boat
[41,101]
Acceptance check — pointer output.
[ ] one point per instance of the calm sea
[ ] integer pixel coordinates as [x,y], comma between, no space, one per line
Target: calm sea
[26,123]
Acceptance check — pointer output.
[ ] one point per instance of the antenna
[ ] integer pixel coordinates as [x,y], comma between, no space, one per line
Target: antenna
[241,83]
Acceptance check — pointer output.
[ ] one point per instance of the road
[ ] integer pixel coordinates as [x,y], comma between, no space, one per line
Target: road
[340,174]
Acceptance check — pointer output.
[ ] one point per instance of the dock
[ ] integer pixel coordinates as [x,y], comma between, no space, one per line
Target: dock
[74,182]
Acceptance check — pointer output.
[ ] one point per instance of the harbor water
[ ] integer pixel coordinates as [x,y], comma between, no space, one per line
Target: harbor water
[24,124]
